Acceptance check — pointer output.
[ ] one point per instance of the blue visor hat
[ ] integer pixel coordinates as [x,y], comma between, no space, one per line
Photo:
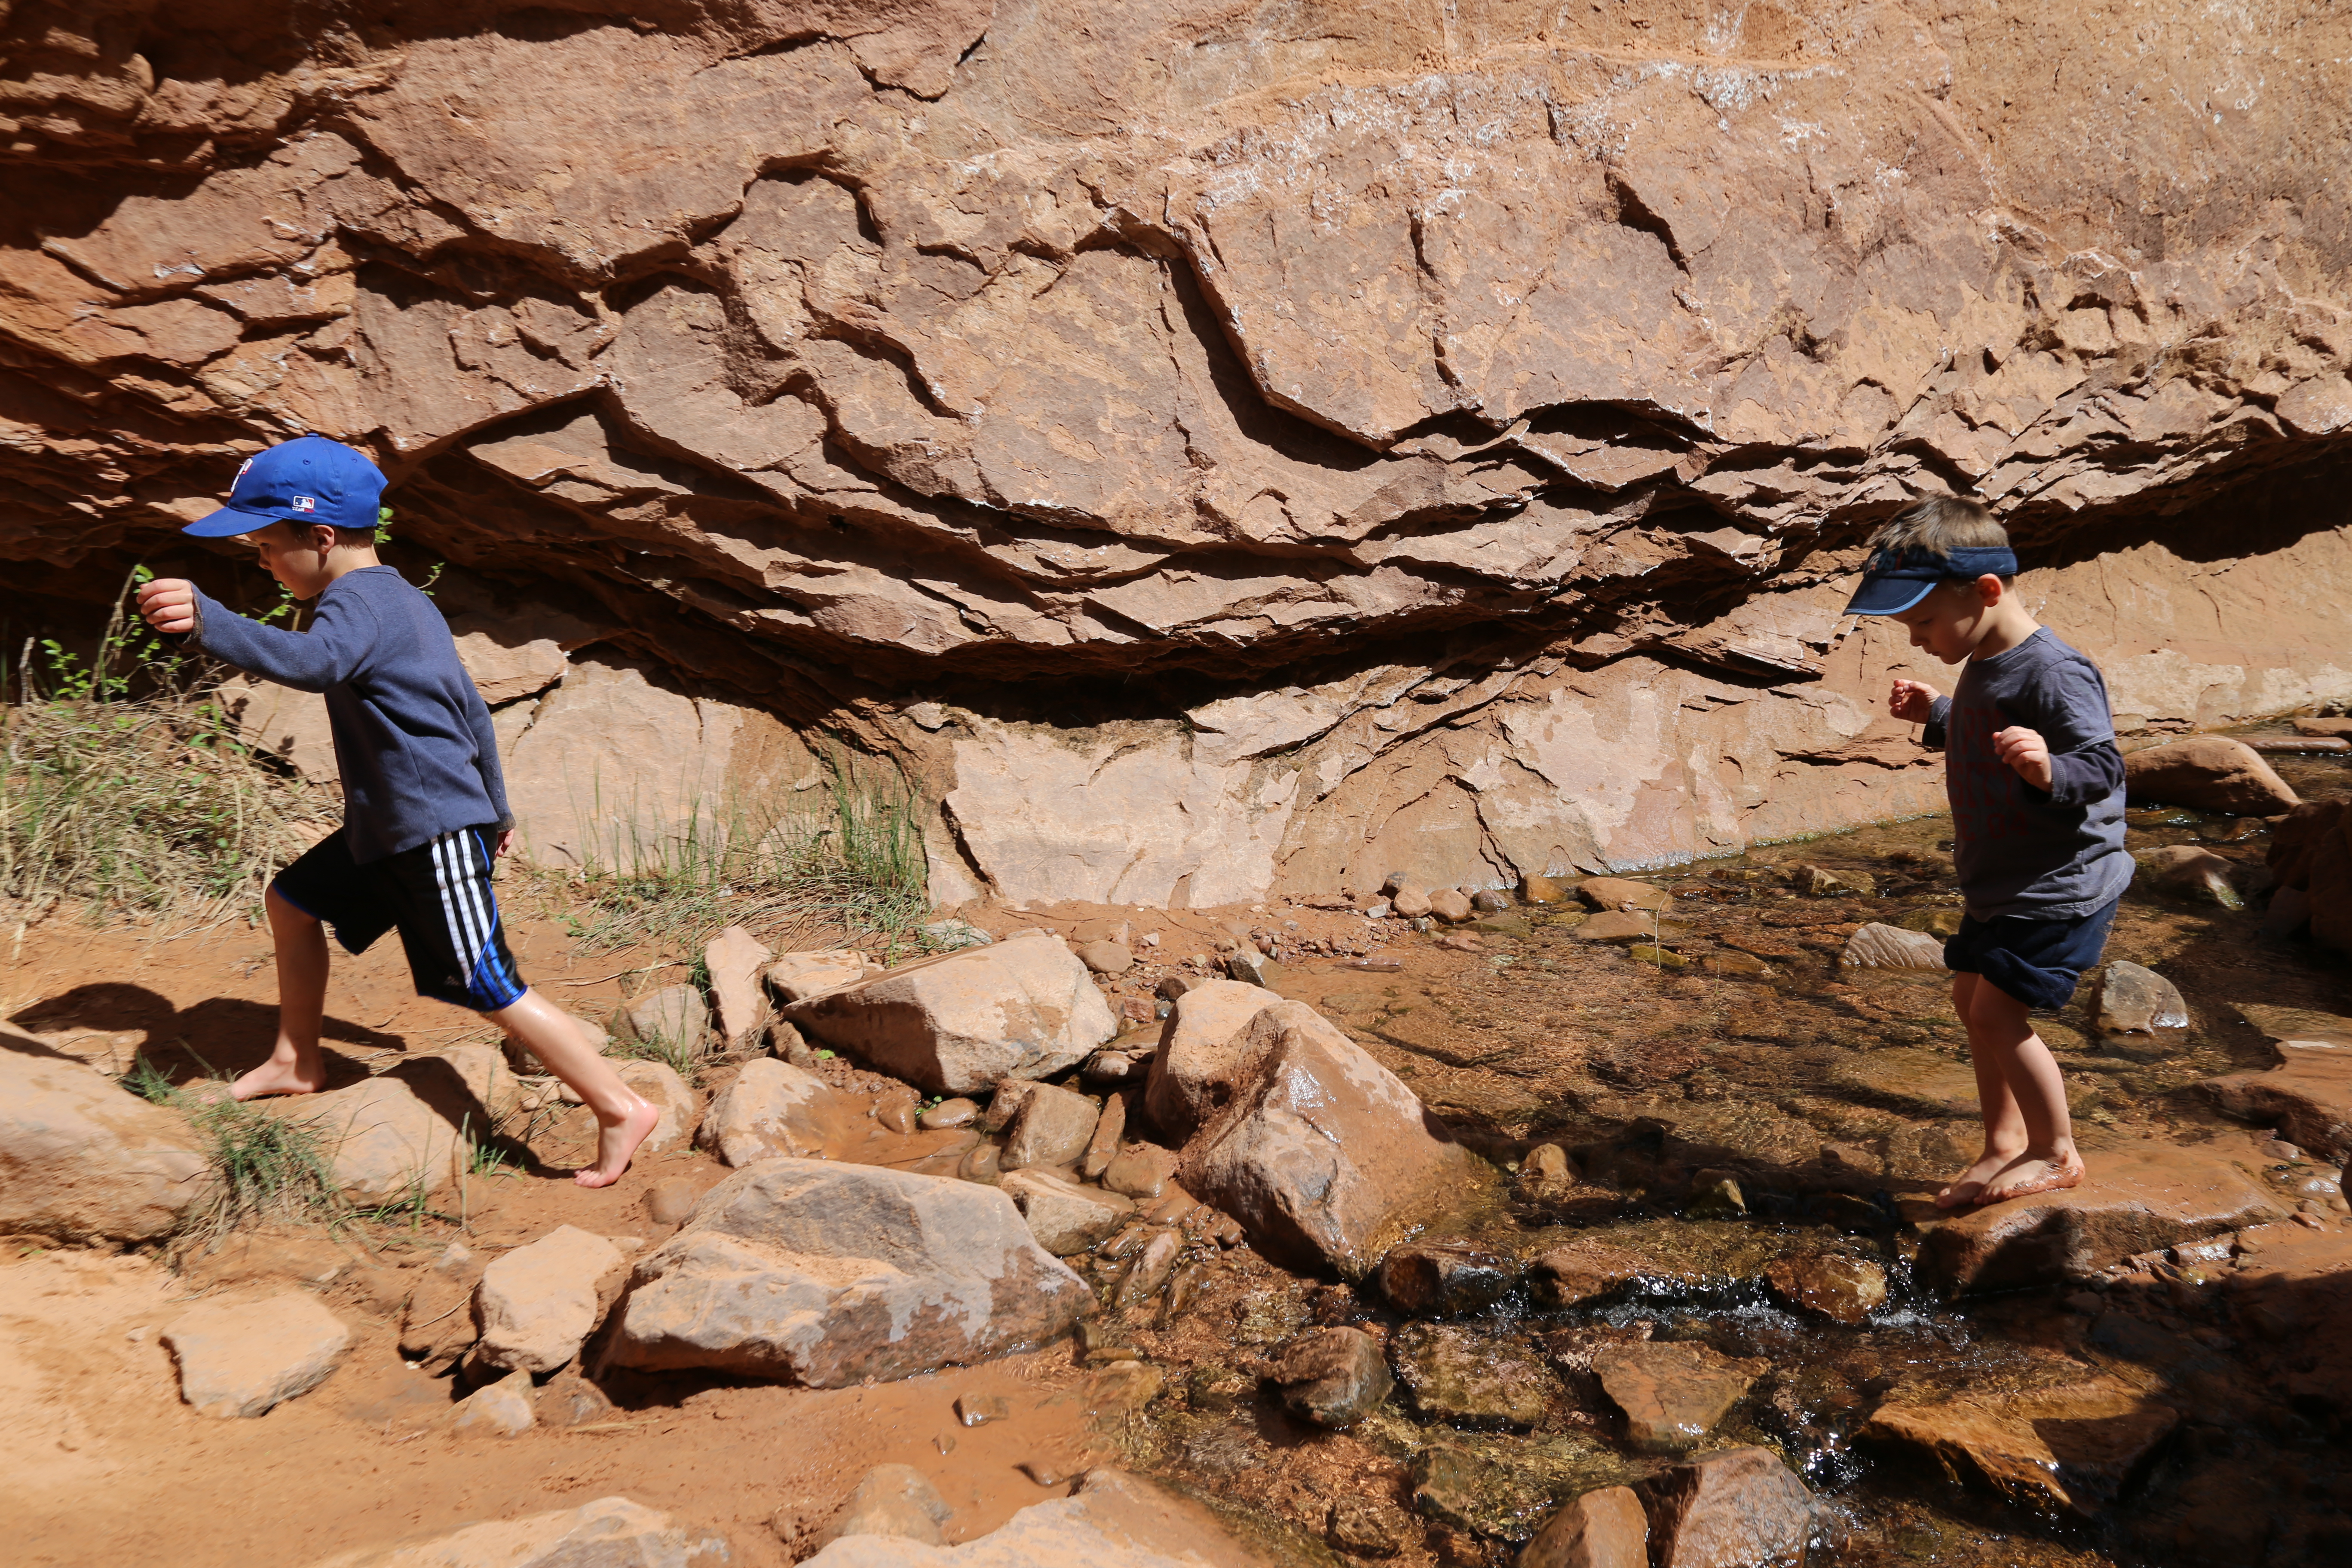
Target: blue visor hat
[1897,578]
[307,480]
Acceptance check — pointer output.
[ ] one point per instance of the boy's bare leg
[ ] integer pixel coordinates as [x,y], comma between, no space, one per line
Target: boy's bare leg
[2048,1161]
[2005,1135]
[623,1116]
[294,1066]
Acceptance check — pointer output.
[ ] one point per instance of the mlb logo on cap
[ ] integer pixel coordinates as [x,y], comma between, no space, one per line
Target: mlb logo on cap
[311,477]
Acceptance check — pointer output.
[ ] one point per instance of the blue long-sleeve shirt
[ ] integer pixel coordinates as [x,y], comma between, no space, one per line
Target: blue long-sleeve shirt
[2046,855]
[412,736]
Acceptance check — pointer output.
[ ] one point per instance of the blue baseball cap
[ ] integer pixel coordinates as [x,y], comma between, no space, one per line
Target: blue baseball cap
[1897,578]
[307,480]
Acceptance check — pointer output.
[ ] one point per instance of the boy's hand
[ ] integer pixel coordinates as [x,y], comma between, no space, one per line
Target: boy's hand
[2025,751]
[169,604]
[506,842]
[1912,701]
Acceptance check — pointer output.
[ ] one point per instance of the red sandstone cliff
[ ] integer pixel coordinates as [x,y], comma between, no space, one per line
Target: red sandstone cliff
[1215,446]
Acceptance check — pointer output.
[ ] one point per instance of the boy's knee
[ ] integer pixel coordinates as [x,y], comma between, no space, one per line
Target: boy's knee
[280,908]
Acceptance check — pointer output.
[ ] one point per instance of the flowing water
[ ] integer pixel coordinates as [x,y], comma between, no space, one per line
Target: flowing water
[1835,1099]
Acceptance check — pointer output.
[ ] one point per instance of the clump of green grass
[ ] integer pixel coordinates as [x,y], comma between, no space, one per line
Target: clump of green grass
[854,858]
[124,788]
[264,1167]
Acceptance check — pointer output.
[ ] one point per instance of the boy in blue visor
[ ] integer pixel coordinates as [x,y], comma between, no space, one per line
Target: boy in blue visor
[424,811]
[2037,793]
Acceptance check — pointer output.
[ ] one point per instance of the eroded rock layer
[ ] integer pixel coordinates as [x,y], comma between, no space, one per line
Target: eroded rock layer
[1211,448]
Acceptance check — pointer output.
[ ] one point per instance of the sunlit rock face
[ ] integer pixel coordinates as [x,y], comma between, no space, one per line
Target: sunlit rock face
[1213,449]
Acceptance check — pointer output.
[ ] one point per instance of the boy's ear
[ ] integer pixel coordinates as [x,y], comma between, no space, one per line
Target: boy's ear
[1990,589]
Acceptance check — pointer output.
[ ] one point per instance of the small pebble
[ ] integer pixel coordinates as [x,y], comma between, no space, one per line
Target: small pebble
[979,1409]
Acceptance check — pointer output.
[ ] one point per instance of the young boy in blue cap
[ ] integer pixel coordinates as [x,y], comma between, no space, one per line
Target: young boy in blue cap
[2037,793]
[424,811]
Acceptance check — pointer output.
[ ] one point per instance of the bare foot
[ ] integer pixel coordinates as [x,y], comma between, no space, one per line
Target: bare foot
[616,1144]
[1964,1187]
[2030,1173]
[274,1077]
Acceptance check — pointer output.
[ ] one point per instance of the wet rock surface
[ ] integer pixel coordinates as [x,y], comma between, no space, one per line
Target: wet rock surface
[2134,1000]
[1470,1377]
[2065,1450]
[2207,773]
[1333,1377]
[1671,1395]
[1738,1506]
[2134,1202]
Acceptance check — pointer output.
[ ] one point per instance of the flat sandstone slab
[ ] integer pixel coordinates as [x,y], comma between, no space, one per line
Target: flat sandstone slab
[2134,1201]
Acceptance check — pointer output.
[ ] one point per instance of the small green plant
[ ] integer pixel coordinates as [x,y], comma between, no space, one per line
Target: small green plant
[683,1058]
[124,786]
[264,1166]
[851,856]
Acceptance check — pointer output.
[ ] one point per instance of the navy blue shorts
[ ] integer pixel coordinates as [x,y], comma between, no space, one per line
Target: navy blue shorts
[437,894]
[2037,961]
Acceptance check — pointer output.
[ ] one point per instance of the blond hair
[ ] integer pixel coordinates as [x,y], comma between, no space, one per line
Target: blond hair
[1942,524]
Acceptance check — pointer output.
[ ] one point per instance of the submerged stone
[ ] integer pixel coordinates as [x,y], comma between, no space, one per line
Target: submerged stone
[1469,1378]
[1828,1285]
[1741,1507]
[1456,1487]
[1672,1393]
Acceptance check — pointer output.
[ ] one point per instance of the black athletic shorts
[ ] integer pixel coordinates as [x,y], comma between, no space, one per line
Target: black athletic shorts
[438,894]
[2037,961]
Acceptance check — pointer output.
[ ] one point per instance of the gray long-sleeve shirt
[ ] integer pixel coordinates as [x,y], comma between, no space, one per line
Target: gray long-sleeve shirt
[2044,855]
[412,736]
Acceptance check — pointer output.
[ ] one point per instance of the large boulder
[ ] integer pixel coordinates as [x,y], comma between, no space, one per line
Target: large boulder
[243,1358]
[1194,1070]
[2207,773]
[85,1160]
[2134,1201]
[811,1272]
[1321,1154]
[775,1108]
[538,1304]
[611,1532]
[1024,1007]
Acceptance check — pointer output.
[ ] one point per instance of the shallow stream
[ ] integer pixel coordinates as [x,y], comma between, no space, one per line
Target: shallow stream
[1835,1100]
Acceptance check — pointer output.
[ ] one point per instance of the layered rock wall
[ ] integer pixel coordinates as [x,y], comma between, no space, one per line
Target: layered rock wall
[1211,448]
